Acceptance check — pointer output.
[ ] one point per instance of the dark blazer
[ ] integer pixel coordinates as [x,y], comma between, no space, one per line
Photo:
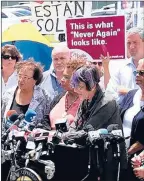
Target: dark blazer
[100,112]
[138,121]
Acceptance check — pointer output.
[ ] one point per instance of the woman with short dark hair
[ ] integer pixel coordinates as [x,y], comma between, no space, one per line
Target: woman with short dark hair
[97,110]
[28,93]
[10,56]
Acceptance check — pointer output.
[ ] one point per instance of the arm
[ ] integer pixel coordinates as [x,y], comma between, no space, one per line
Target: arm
[105,63]
[137,133]
[135,148]
[137,159]
[113,84]
[139,172]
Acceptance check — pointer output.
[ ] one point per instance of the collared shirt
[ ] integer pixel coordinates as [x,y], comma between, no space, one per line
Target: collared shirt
[123,77]
[12,82]
[50,83]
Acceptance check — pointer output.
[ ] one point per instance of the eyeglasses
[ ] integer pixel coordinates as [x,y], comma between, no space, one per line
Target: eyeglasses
[9,56]
[24,77]
[139,72]
[79,87]
[97,63]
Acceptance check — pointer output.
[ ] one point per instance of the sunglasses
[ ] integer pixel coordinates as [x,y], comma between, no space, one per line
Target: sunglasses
[139,72]
[8,57]
[97,63]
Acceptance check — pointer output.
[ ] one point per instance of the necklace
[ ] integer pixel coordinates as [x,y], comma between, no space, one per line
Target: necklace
[68,106]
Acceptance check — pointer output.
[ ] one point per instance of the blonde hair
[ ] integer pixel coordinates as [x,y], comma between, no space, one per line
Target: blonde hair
[75,63]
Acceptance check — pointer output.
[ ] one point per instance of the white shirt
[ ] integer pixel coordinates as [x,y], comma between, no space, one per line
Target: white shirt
[129,115]
[123,77]
[101,83]
[12,81]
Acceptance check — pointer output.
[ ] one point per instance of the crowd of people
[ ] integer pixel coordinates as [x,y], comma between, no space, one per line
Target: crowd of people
[84,93]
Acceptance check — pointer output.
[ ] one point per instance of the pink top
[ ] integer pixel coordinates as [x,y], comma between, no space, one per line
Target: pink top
[59,112]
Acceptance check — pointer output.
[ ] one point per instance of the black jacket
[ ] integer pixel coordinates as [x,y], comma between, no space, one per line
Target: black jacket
[101,112]
[138,120]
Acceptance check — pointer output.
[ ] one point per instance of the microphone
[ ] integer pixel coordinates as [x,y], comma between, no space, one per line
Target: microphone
[116,139]
[11,117]
[112,127]
[28,118]
[115,130]
[95,136]
[61,125]
[88,128]
[16,123]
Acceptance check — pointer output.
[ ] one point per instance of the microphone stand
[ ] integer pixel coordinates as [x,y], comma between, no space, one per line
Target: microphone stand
[116,154]
[89,165]
[118,157]
[96,149]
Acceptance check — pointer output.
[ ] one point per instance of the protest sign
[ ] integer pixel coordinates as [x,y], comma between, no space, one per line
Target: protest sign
[49,17]
[98,36]
[77,53]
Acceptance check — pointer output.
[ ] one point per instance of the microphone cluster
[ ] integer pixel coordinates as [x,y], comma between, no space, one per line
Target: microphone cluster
[15,121]
[102,135]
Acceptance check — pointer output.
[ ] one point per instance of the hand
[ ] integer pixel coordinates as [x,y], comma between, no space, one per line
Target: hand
[136,161]
[135,147]
[122,90]
[139,172]
[105,60]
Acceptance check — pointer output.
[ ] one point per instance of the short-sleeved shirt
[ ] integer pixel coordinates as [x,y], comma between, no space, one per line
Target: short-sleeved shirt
[137,132]
[50,84]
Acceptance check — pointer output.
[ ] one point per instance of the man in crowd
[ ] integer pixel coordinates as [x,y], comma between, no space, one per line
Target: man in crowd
[52,77]
[123,80]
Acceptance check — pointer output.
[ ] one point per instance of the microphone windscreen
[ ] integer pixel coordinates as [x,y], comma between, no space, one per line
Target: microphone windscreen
[88,128]
[13,117]
[112,127]
[29,115]
[102,131]
[10,112]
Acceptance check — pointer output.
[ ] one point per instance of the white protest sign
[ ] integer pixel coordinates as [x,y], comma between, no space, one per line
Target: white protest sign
[49,17]
[140,22]
[77,53]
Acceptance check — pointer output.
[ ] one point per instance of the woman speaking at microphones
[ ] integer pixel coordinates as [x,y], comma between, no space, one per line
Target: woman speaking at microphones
[97,109]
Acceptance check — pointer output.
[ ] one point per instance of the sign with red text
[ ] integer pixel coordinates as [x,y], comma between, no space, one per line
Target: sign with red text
[98,36]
